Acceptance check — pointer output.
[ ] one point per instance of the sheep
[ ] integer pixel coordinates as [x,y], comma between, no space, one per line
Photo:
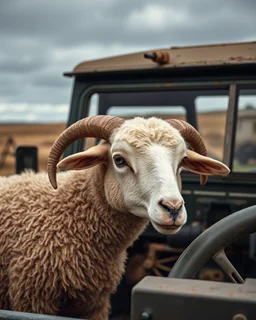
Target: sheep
[63,250]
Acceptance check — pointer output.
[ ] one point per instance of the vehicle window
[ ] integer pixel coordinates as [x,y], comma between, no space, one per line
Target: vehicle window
[93,110]
[211,118]
[94,105]
[207,107]
[245,140]
[26,125]
[175,112]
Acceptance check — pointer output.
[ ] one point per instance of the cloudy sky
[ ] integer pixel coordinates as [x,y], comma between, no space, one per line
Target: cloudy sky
[40,39]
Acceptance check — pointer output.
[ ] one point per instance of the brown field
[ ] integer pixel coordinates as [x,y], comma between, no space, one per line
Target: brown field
[211,126]
[40,135]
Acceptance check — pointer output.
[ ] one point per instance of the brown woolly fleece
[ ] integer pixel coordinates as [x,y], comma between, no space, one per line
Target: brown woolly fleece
[62,251]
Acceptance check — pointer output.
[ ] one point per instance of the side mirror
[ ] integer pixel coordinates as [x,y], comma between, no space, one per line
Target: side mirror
[26,158]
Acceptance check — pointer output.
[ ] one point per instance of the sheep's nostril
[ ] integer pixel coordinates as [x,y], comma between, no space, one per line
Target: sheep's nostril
[170,208]
[175,214]
[166,208]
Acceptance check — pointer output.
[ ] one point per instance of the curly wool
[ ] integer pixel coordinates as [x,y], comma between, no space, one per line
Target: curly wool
[61,251]
[141,132]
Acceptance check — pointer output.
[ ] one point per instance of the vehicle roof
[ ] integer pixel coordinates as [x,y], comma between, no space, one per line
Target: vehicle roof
[179,57]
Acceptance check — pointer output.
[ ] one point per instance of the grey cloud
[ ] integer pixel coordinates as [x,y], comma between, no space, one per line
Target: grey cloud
[50,80]
[43,95]
[14,65]
[32,33]
[87,22]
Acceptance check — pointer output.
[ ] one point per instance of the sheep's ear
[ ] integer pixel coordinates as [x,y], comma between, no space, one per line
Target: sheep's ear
[204,165]
[85,159]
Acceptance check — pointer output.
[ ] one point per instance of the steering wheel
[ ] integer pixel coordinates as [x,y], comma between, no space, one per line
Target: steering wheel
[211,244]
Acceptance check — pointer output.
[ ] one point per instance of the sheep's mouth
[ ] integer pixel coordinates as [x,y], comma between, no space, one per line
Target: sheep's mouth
[167,226]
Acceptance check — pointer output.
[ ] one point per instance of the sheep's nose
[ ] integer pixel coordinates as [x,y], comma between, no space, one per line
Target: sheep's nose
[172,208]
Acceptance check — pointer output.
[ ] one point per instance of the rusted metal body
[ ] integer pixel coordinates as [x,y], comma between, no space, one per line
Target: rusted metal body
[12,315]
[171,77]
[174,57]
[163,299]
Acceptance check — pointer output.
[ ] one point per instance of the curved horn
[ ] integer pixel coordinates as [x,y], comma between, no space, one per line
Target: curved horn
[96,126]
[193,137]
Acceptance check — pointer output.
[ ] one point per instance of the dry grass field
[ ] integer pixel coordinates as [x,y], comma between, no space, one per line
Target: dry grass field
[40,135]
[211,125]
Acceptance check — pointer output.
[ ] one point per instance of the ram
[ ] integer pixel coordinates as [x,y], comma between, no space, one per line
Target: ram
[63,250]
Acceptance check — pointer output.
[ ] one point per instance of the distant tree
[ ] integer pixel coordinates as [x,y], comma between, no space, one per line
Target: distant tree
[249,107]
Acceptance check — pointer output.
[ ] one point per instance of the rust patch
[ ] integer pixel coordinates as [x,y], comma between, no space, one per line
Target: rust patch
[160,57]
[241,58]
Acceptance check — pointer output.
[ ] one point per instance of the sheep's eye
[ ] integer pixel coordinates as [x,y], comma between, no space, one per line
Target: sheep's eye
[182,161]
[119,161]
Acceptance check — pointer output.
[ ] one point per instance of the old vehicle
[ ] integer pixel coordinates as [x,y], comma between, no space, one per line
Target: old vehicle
[211,87]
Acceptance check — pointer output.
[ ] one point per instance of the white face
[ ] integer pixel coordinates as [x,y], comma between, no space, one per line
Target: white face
[149,181]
